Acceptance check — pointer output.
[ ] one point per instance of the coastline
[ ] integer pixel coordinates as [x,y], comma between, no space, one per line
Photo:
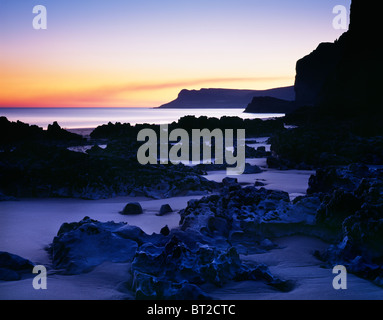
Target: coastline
[28,227]
[41,218]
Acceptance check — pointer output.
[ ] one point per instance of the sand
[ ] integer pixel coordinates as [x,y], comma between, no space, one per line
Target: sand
[294,260]
[28,226]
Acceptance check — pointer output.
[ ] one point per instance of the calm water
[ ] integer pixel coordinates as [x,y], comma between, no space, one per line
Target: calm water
[70,118]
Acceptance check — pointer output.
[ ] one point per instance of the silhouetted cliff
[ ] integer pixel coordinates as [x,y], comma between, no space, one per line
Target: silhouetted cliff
[225,98]
[345,76]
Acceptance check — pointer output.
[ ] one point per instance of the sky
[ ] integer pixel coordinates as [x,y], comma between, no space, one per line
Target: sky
[123,53]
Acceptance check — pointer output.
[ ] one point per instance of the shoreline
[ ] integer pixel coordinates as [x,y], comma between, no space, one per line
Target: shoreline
[28,226]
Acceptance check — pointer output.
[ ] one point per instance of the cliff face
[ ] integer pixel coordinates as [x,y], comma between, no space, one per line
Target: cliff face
[345,74]
[225,98]
[313,70]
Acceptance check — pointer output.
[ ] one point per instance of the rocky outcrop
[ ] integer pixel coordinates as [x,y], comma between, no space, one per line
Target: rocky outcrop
[14,133]
[343,76]
[35,170]
[175,271]
[313,70]
[225,98]
[79,247]
[246,216]
[170,265]
[270,105]
[352,207]
[318,145]
[13,267]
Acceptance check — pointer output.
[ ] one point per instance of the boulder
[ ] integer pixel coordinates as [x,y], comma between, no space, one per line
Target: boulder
[251,169]
[12,266]
[132,208]
[165,208]
[80,246]
[165,231]
[229,181]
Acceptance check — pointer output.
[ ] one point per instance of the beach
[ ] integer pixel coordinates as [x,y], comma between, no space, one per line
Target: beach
[28,227]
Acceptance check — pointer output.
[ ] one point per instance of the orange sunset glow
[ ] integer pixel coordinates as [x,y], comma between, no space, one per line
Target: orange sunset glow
[125,54]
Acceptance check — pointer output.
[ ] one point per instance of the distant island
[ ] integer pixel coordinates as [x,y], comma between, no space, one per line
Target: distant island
[225,98]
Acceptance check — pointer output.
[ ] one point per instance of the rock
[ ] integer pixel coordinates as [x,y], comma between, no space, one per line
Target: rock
[165,231]
[229,181]
[260,152]
[258,183]
[165,208]
[4,197]
[336,208]
[15,262]
[277,163]
[270,105]
[9,275]
[148,287]
[12,266]
[251,169]
[132,208]
[79,247]
[177,270]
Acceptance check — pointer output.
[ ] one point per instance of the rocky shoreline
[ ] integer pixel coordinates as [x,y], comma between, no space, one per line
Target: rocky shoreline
[231,221]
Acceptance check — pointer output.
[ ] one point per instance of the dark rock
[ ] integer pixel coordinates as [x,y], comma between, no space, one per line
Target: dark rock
[260,152]
[270,105]
[259,184]
[79,247]
[177,270]
[14,262]
[229,181]
[165,208]
[15,133]
[12,267]
[9,275]
[252,169]
[4,197]
[165,231]
[337,207]
[132,208]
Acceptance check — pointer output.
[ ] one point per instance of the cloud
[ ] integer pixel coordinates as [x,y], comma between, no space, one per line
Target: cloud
[108,93]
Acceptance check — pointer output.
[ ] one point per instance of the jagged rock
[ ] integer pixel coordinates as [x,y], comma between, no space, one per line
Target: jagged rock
[246,215]
[79,247]
[337,207]
[148,287]
[175,270]
[229,181]
[12,266]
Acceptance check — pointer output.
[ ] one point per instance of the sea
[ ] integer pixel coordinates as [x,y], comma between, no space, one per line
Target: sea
[78,118]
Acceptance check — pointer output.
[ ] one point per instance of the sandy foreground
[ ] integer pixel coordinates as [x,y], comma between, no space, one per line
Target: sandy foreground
[28,226]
